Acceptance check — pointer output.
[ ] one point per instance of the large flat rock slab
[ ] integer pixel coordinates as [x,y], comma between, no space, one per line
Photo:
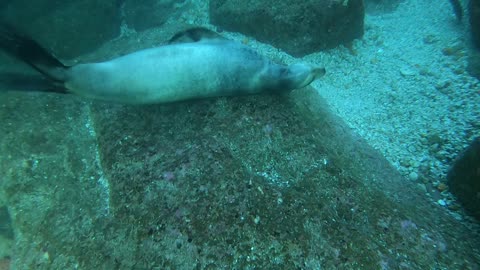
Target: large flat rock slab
[50,179]
[248,182]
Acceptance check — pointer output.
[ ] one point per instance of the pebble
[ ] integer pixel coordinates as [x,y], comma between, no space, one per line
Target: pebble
[454,207]
[442,202]
[412,149]
[422,187]
[442,187]
[413,176]
[442,84]
[407,72]
[428,128]
[404,163]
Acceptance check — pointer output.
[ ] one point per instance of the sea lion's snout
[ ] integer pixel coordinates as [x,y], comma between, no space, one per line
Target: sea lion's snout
[318,72]
[303,74]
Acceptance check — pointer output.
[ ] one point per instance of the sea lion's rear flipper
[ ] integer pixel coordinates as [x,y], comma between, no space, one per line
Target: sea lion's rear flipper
[197,34]
[30,52]
[29,83]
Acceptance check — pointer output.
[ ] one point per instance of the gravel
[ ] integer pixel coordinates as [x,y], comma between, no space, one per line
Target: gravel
[404,87]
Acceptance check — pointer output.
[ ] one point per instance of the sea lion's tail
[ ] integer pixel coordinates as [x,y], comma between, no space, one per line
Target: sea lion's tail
[30,52]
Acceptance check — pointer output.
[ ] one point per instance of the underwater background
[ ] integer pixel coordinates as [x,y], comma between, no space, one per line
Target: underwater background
[374,166]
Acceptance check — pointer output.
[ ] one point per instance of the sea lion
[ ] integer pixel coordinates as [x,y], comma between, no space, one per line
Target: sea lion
[197,63]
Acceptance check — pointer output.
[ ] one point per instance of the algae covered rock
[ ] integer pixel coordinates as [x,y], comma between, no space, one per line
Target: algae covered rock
[261,182]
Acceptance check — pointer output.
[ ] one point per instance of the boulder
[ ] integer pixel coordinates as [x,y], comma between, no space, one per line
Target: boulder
[298,27]
[141,15]
[464,178]
[474,9]
[473,66]
[256,182]
[68,28]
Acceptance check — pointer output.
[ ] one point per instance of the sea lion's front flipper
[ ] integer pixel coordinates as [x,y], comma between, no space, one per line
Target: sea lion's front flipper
[197,34]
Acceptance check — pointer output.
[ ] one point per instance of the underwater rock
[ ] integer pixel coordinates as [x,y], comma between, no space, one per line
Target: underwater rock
[4,3]
[142,15]
[473,67]
[298,27]
[464,178]
[6,237]
[6,229]
[474,9]
[457,9]
[69,28]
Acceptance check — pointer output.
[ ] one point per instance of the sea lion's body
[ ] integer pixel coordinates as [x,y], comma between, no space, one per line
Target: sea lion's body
[172,73]
[181,71]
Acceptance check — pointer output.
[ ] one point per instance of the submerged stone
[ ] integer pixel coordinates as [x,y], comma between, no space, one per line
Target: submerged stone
[297,27]
[68,28]
[142,15]
[464,178]
[474,12]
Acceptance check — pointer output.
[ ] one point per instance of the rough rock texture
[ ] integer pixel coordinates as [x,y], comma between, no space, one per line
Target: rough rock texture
[69,28]
[298,27]
[141,15]
[6,236]
[464,178]
[250,182]
[5,224]
[48,163]
[474,10]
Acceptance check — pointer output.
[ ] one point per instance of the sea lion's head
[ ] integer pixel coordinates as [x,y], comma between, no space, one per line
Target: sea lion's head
[283,79]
